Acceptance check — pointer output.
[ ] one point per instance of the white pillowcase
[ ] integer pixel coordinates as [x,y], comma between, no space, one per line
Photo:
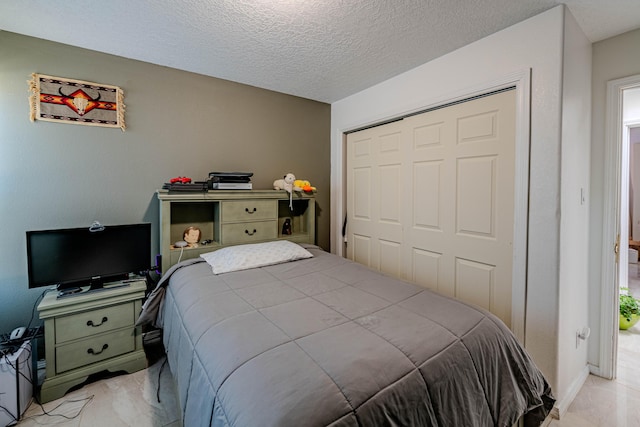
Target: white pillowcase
[243,257]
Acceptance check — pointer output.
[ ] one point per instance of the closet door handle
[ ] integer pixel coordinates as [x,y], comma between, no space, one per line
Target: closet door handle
[95,353]
[90,322]
[250,233]
[250,212]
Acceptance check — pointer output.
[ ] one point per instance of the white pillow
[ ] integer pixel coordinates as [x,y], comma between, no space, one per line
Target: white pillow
[243,257]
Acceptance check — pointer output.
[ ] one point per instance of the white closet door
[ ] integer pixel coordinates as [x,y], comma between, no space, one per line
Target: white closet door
[448,191]
[375,197]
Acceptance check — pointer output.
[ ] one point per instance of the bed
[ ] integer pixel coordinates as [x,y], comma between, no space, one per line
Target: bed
[323,341]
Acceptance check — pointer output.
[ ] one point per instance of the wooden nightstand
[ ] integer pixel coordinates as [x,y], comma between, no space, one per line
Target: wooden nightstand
[90,333]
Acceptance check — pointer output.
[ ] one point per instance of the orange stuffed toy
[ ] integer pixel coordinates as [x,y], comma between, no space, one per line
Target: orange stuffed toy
[303,185]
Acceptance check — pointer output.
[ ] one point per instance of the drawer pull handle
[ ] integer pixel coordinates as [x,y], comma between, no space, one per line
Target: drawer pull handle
[90,322]
[95,353]
[250,233]
[250,212]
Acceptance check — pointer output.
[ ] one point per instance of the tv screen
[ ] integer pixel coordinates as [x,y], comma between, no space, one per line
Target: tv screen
[77,257]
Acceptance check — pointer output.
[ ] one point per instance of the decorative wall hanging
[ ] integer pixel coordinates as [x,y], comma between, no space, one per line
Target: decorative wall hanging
[58,99]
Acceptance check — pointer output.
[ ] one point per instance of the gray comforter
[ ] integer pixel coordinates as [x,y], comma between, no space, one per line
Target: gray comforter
[328,342]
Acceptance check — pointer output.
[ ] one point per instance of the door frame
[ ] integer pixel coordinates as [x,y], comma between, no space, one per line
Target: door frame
[521,80]
[614,141]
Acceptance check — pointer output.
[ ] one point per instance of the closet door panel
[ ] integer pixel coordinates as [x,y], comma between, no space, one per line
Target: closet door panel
[474,194]
[430,198]
[375,206]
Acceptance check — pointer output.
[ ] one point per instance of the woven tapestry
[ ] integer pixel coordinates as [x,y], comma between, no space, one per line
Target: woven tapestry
[58,99]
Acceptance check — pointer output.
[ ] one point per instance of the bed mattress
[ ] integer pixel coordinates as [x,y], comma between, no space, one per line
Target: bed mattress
[328,342]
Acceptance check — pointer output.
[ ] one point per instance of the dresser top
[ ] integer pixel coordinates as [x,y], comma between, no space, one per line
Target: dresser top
[52,305]
[231,195]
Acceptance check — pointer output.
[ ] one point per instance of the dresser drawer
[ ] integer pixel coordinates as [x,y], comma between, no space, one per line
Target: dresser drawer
[94,349]
[249,232]
[249,210]
[94,322]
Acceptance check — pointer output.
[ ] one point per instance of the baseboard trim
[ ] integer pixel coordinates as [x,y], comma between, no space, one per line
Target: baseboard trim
[595,370]
[560,408]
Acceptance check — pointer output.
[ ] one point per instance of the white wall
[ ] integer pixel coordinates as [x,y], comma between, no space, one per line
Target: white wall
[574,211]
[535,44]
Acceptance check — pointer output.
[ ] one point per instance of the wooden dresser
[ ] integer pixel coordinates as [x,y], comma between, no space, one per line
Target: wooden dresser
[231,217]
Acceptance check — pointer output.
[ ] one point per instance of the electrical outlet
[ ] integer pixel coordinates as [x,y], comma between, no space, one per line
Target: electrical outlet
[582,335]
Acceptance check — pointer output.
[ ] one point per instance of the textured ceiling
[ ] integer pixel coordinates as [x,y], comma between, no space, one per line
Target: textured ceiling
[318,49]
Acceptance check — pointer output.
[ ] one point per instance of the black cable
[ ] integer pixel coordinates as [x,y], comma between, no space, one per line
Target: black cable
[35,304]
[25,362]
[87,400]
[14,419]
[160,375]
[18,364]
[15,367]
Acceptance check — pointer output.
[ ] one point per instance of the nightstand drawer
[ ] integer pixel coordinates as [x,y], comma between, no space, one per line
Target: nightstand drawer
[249,232]
[94,322]
[94,349]
[249,210]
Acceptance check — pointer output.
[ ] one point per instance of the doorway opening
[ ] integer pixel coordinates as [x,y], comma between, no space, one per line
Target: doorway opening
[627,370]
[623,124]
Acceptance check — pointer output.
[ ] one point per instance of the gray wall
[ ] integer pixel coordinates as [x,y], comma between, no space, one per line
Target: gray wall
[60,175]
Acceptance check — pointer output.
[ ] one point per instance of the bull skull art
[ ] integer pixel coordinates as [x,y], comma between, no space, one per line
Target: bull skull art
[64,100]
[79,101]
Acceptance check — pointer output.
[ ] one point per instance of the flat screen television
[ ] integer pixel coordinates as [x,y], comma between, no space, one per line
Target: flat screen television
[73,258]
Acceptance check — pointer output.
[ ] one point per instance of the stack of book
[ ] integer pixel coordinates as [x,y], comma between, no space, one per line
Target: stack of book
[189,187]
[230,180]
